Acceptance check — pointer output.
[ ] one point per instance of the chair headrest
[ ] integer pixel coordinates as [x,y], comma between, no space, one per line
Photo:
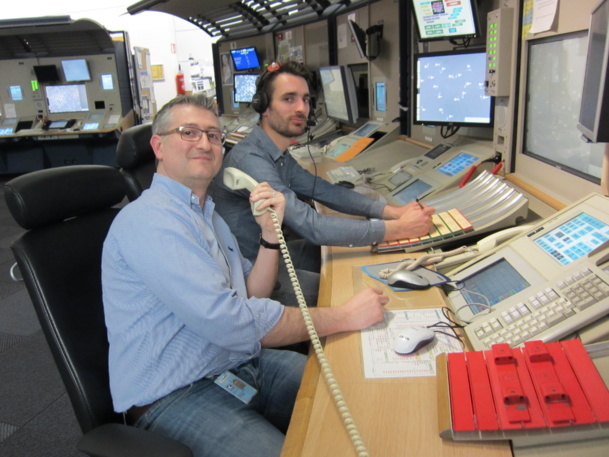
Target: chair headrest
[134,148]
[49,196]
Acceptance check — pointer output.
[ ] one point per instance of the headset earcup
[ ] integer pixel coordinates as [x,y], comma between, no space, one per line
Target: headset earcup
[259,102]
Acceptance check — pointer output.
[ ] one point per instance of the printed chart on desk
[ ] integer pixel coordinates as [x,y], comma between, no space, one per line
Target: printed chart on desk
[381,361]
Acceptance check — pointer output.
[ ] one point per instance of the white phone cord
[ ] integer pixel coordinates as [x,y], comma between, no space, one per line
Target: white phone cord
[339,401]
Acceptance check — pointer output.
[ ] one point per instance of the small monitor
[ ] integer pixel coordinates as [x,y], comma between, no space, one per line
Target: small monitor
[245,87]
[245,58]
[90,126]
[340,94]
[16,93]
[450,89]
[594,108]
[10,121]
[76,70]
[58,124]
[107,82]
[380,96]
[46,73]
[68,98]
[367,129]
[6,130]
[359,37]
[440,20]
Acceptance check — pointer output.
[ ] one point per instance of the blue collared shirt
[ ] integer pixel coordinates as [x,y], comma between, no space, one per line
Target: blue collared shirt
[175,296]
[260,158]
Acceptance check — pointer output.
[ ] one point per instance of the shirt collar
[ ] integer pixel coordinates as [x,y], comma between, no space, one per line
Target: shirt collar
[267,144]
[181,192]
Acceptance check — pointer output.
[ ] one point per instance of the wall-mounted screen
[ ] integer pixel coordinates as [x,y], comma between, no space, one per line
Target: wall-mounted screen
[69,98]
[552,106]
[46,73]
[594,108]
[245,58]
[450,89]
[245,87]
[439,20]
[380,96]
[107,82]
[76,70]
[359,37]
[340,94]
[16,93]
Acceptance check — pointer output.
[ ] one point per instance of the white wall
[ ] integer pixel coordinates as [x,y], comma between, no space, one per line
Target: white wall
[170,39]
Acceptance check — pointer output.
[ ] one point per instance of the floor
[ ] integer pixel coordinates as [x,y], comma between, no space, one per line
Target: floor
[36,418]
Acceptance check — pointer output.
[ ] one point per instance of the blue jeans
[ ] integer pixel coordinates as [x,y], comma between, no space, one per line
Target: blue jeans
[214,423]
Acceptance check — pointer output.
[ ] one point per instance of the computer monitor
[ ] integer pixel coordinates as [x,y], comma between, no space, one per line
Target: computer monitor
[76,70]
[46,73]
[107,82]
[15,93]
[245,58]
[68,98]
[440,20]
[359,36]
[245,87]
[450,89]
[594,108]
[340,94]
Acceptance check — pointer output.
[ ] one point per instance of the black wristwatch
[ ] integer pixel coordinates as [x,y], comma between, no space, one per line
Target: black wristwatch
[265,244]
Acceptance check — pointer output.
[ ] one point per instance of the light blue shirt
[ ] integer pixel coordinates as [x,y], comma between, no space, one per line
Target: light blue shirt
[175,297]
[260,158]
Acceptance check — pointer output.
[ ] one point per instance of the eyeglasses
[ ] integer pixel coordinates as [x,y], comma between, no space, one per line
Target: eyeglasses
[194,134]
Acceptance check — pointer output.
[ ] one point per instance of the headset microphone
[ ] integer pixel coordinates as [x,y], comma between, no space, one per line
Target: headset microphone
[311,123]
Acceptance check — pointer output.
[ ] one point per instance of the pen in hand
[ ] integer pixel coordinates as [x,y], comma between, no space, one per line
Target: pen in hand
[419,203]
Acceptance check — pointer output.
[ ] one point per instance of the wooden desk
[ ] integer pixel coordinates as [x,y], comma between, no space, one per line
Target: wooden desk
[396,417]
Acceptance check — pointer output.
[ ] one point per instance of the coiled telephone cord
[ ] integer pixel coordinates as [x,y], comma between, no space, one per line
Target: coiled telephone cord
[326,369]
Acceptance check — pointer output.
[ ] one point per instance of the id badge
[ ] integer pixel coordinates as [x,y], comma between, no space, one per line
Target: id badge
[236,386]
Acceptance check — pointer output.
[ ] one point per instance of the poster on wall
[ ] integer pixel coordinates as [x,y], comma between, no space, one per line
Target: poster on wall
[227,69]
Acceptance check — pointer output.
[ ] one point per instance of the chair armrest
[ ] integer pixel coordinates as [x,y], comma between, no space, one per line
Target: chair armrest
[118,440]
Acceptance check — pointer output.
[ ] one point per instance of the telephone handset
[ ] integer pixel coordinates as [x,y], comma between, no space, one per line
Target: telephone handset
[235,179]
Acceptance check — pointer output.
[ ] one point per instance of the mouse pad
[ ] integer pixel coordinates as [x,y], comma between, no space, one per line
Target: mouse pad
[434,278]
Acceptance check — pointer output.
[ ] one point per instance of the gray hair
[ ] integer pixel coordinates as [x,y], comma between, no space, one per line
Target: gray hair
[162,120]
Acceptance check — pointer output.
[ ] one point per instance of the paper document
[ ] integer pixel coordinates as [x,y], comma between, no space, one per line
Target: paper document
[381,361]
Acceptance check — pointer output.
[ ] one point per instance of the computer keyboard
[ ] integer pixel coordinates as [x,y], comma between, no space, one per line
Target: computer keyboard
[346,173]
[307,151]
[549,313]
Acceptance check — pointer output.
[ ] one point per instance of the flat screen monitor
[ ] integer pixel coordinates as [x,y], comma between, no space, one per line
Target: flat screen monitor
[411,192]
[594,108]
[90,126]
[359,37]
[46,73]
[76,70]
[440,20]
[245,58]
[457,164]
[380,96]
[245,87]
[6,130]
[340,94]
[552,107]
[107,82]
[16,93]
[450,89]
[68,98]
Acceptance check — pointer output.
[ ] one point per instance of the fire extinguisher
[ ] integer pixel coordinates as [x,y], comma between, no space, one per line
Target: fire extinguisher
[180,86]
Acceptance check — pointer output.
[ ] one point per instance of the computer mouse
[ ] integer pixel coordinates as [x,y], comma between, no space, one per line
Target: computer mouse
[347,184]
[407,279]
[412,339]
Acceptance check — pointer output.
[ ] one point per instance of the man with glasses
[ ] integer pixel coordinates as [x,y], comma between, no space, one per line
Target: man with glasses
[189,320]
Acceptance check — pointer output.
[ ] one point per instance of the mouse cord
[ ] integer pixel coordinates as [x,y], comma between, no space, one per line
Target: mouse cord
[326,369]
[427,259]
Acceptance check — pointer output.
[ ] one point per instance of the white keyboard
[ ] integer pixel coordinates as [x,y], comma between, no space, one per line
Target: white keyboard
[307,151]
[346,173]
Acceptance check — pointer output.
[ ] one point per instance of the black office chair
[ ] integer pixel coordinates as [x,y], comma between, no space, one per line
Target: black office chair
[67,212]
[136,158]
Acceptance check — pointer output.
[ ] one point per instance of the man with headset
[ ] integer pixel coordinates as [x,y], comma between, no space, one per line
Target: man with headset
[283,99]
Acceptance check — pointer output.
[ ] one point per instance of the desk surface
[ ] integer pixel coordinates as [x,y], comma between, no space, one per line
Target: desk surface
[396,417]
